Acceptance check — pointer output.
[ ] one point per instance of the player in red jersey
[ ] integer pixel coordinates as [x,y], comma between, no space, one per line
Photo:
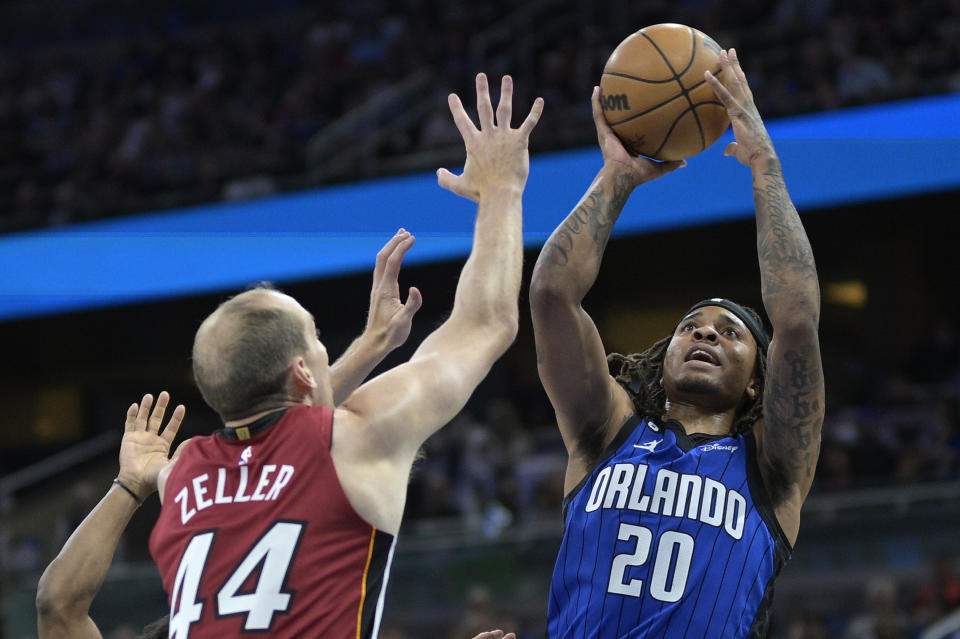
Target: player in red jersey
[69,584]
[284,522]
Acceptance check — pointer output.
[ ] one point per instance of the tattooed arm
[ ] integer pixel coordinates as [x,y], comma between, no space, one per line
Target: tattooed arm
[570,355]
[789,438]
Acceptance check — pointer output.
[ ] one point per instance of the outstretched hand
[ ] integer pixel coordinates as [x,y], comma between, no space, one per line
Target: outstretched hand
[388,316]
[753,142]
[616,156]
[144,449]
[497,155]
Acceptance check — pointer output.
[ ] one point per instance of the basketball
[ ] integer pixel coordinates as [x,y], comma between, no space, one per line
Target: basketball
[654,96]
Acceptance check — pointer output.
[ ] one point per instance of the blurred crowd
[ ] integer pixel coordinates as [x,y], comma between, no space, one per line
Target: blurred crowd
[106,112]
[888,610]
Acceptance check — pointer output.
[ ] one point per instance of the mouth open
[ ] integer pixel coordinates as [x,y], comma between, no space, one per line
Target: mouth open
[701,355]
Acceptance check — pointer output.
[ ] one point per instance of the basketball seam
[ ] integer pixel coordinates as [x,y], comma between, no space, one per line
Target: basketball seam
[683,89]
[693,107]
[637,115]
[638,79]
[657,106]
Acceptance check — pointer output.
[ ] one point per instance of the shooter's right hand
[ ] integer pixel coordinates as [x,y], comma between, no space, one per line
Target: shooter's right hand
[617,160]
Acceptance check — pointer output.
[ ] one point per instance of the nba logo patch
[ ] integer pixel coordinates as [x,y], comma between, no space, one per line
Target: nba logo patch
[245,456]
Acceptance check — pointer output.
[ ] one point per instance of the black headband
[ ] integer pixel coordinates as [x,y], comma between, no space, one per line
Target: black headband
[755,327]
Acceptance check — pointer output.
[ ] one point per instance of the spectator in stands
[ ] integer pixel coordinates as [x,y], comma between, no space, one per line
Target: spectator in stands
[882,617]
[940,594]
[184,117]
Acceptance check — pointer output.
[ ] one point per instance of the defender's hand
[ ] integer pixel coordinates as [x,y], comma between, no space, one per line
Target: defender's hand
[390,319]
[616,158]
[497,155]
[144,449]
[753,142]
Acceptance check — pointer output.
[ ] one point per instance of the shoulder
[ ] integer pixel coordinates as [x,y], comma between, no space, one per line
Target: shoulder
[310,415]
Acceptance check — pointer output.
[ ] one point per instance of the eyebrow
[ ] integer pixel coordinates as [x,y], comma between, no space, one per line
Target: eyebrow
[730,319]
[736,321]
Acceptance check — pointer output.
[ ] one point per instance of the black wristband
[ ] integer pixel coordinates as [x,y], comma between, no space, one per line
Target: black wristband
[126,488]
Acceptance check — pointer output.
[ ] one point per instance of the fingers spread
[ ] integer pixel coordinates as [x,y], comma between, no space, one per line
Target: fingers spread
[131,422]
[484,106]
[533,117]
[455,184]
[446,179]
[153,425]
[460,117]
[145,404]
[170,432]
[414,301]
[505,107]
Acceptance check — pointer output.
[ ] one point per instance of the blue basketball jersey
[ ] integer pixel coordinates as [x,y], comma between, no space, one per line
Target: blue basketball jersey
[669,536]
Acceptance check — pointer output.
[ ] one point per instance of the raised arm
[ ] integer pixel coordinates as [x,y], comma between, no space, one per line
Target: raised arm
[793,399]
[570,355]
[405,405]
[71,581]
[388,322]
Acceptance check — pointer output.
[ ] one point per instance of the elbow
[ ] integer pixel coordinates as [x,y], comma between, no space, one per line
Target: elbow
[505,325]
[497,329]
[548,280]
[548,294]
[56,600]
[495,326]
[49,603]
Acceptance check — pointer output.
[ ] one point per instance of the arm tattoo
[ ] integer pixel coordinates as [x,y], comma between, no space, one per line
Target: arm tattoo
[596,214]
[782,246]
[793,414]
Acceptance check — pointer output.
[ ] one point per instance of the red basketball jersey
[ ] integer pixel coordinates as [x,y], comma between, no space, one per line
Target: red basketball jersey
[256,535]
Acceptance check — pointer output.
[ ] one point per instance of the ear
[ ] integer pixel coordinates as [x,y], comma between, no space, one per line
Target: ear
[753,389]
[301,377]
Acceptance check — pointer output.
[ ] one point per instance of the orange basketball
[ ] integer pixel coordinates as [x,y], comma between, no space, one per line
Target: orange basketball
[654,96]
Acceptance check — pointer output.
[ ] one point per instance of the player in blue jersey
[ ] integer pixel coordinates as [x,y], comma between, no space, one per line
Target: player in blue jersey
[689,462]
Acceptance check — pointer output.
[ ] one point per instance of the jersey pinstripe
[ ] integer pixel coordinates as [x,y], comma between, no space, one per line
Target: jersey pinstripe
[668,536]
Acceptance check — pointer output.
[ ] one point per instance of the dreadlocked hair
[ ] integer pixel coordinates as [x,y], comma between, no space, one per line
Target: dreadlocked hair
[640,375]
